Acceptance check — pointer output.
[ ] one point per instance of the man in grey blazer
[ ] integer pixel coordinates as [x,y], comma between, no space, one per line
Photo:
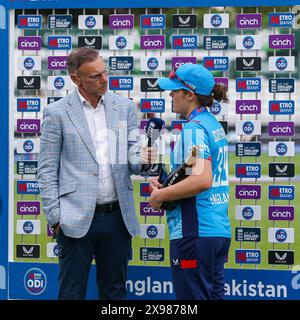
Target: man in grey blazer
[89,147]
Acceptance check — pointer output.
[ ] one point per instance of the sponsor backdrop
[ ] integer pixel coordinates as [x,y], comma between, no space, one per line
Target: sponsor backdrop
[139,46]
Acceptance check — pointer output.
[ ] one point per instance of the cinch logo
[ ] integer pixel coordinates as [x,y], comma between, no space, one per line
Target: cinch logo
[35,281]
[281,128]
[28,208]
[184,42]
[248,21]
[121,83]
[28,125]
[282,41]
[248,127]
[216,20]
[57,63]
[153,42]
[248,106]
[60,43]
[248,191]
[281,107]
[281,235]
[216,108]
[281,19]
[28,187]
[59,83]
[248,42]
[281,149]
[248,256]
[121,42]
[29,105]
[248,84]
[281,192]
[28,63]
[28,146]
[119,21]
[281,213]
[281,63]
[152,105]
[152,63]
[28,227]
[147,210]
[30,43]
[179,61]
[153,21]
[90,22]
[29,22]
[216,63]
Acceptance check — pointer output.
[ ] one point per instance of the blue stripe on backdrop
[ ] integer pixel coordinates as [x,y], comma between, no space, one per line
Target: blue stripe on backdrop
[44,4]
[4,154]
[147,284]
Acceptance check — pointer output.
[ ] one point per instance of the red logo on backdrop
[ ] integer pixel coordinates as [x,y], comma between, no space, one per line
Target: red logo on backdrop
[241,170]
[22,187]
[146,105]
[22,104]
[275,19]
[242,85]
[23,22]
[275,107]
[53,42]
[241,256]
[178,42]
[115,83]
[275,192]
[147,22]
[209,63]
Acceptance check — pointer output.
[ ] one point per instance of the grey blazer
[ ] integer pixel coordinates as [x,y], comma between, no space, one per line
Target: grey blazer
[68,168]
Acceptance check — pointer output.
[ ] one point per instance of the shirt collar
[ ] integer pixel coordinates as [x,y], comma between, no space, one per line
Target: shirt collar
[85,103]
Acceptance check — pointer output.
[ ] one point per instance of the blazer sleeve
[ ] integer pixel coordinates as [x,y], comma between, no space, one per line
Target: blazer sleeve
[134,142]
[48,165]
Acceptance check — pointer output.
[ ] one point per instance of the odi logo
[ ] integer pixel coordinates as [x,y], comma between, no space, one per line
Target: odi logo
[248,213]
[281,235]
[90,22]
[281,149]
[152,231]
[35,281]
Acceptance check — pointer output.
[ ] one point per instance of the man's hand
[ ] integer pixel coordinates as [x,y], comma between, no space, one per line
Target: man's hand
[56,229]
[149,155]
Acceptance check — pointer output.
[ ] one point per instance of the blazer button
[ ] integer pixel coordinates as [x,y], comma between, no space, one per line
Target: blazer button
[95,173]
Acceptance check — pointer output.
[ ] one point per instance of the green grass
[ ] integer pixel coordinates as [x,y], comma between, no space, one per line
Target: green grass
[264,224]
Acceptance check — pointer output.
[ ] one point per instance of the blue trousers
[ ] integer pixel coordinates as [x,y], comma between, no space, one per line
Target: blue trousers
[110,243]
[197,265]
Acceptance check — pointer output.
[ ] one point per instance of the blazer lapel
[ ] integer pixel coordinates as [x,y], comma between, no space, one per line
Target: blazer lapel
[77,116]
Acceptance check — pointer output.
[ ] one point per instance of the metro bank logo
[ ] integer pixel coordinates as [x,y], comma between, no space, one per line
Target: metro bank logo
[27,187]
[60,43]
[121,83]
[184,42]
[29,21]
[216,63]
[28,104]
[153,21]
[248,170]
[281,192]
[152,105]
[285,107]
[281,19]
[248,84]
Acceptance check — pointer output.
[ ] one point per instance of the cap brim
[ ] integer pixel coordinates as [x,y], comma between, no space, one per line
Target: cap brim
[170,84]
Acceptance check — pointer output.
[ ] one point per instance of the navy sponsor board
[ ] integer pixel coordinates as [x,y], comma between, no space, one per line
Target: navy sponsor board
[281,257]
[252,170]
[248,149]
[247,256]
[248,64]
[215,42]
[281,192]
[281,170]
[184,21]
[247,234]
[281,85]
[150,85]
[27,167]
[152,254]
[121,63]
[94,42]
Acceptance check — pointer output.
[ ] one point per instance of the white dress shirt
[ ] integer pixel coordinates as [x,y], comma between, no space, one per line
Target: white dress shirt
[96,120]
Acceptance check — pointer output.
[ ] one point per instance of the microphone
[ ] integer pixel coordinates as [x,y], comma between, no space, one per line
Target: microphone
[153,130]
[175,176]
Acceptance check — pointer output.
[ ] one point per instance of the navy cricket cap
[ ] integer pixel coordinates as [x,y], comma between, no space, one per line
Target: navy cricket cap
[191,77]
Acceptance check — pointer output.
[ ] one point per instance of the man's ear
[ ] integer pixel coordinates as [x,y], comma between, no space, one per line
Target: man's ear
[75,78]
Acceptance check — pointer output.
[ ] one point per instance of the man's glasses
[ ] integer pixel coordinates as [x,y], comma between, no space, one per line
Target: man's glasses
[173,75]
[99,75]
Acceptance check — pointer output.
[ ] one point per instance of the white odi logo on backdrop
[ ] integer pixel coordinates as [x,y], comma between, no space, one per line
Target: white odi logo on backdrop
[248,213]
[28,227]
[52,250]
[248,127]
[89,22]
[282,148]
[281,64]
[281,235]
[219,109]
[120,42]
[216,20]
[153,231]
[28,146]
[249,42]
[29,63]
[153,64]
[59,83]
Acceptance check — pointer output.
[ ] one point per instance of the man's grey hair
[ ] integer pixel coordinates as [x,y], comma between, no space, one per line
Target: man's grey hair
[80,56]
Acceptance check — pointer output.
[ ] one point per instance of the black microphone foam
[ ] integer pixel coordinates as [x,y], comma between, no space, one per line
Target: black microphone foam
[153,129]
